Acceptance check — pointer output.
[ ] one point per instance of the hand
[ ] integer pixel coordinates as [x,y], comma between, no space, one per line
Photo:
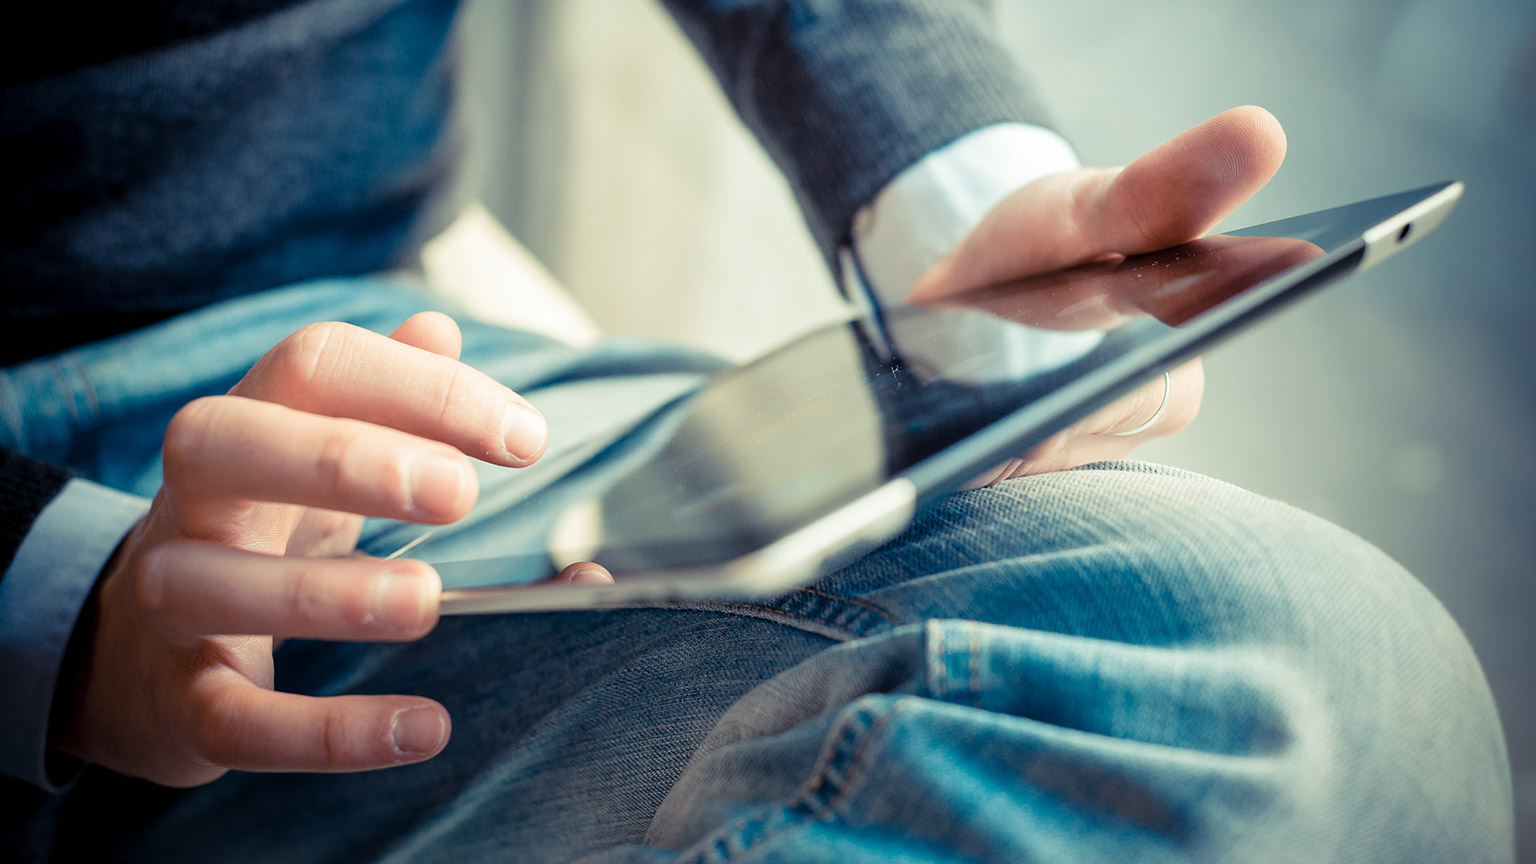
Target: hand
[1171,195]
[250,538]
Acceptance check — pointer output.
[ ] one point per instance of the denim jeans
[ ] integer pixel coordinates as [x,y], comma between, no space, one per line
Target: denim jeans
[1122,662]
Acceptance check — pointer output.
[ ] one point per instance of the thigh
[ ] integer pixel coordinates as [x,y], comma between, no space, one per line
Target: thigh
[1115,663]
[1123,662]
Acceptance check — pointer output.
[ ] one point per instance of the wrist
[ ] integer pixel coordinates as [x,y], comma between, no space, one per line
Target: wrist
[902,237]
[64,755]
[55,573]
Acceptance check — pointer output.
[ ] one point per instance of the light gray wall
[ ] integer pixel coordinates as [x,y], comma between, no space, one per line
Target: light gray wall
[629,177]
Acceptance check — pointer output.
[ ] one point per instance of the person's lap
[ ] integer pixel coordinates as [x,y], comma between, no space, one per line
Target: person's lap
[1110,663]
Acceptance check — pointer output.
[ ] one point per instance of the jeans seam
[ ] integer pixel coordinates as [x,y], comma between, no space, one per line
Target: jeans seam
[725,606]
[825,624]
[942,684]
[856,602]
[856,764]
[804,800]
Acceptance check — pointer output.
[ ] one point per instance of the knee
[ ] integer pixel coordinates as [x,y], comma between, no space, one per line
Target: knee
[1403,731]
[1372,680]
[1150,555]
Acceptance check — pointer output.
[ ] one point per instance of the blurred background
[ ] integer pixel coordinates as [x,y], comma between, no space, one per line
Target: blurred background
[1401,404]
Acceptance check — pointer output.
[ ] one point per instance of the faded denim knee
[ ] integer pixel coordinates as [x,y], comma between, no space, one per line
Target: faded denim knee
[1119,661]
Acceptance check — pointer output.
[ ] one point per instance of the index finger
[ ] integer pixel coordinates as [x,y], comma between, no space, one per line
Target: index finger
[340,370]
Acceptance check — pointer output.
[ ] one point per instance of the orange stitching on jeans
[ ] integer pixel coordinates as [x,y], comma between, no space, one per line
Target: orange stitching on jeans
[856,764]
[870,606]
[823,764]
[785,613]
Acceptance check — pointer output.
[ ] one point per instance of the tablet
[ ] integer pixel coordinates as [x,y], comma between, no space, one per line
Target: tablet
[788,467]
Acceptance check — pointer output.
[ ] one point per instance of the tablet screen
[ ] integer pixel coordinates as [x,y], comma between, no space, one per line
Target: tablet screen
[935,393]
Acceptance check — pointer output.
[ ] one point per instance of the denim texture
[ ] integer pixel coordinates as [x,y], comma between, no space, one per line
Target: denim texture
[1121,662]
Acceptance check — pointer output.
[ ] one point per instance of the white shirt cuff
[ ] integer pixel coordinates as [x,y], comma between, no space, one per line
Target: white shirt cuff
[926,211]
[930,207]
[41,596]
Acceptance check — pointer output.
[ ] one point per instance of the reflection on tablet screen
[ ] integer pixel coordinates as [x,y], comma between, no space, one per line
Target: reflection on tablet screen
[768,447]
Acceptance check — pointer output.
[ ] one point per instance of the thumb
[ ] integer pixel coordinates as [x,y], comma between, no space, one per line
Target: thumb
[1174,193]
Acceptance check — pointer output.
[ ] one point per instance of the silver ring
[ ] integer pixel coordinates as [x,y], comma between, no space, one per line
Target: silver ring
[1167,388]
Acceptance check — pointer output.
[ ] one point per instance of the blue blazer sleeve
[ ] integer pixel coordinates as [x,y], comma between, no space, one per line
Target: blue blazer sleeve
[845,95]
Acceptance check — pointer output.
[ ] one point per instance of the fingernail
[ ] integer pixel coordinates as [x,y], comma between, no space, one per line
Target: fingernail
[523,432]
[400,600]
[417,731]
[436,484]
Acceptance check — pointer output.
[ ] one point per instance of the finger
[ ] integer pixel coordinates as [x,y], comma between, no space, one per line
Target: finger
[1162,406]
[191,588]
[431,331]
[1182,188]
[230,448]
[1174,193]
[344,371]
[1092,439]
[239,725]
[585,573]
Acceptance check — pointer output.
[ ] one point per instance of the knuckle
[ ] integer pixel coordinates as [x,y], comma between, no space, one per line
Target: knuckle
[448,392]
[148,575]
[339,743]
[355,461]
[455,396]
[303,603]
[334,457]
[393,483]
[189,430]
[356,609]
[300,361]
[1126,197]
[217,727]
[333,738]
